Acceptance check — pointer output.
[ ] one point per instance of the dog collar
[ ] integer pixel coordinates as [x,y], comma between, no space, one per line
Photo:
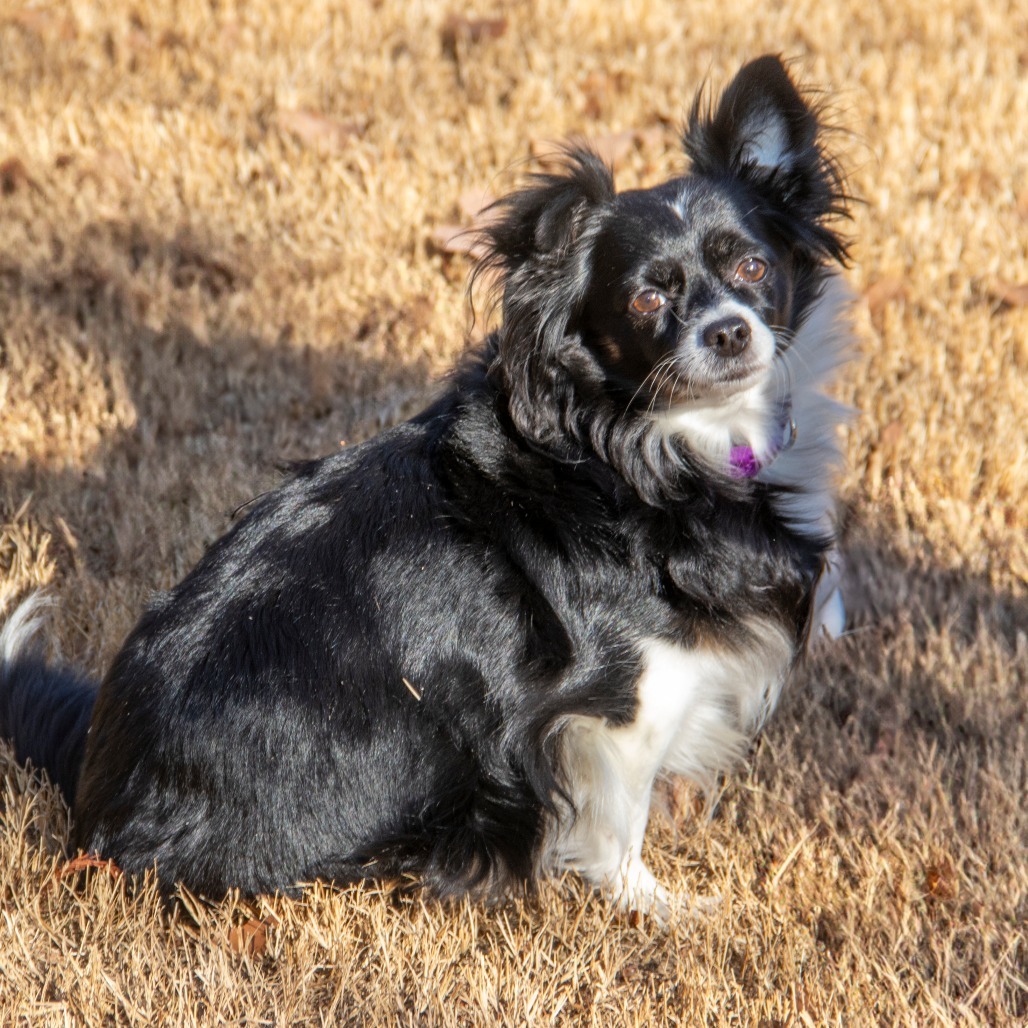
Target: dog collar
[744,463]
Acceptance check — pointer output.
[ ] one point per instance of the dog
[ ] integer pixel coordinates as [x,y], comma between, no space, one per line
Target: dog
[465,650]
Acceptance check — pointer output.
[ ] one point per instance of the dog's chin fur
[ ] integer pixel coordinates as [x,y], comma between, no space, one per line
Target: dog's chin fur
[465,650]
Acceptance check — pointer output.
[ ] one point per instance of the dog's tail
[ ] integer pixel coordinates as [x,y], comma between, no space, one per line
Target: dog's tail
[44,710]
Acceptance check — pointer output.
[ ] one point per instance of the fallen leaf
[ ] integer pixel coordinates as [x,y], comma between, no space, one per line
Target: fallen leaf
[13,175]
[139,40]
[1010,294]
[461,28]
[318,130]
[977,183]
[940,880]
[1022,202]
[890,436]
[45,24]
[615,146]
[85,861]
[650,138]
[884,291]
[176,40]
[458,239]
[474,205]
[612,147]
[249,938]
[113,163]
[599,87]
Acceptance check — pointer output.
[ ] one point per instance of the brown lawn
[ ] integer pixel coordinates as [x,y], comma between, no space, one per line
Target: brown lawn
[216,253]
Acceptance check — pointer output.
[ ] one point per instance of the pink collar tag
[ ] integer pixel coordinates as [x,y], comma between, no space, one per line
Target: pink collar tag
[744,463]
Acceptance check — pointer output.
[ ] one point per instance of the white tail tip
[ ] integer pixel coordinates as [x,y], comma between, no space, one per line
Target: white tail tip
[20,628]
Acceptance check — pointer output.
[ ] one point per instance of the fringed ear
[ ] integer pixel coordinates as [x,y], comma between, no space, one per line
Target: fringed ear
[542,221]
[541,244]
[765,133]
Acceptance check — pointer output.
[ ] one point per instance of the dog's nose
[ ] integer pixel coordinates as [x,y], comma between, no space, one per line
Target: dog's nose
[727,337]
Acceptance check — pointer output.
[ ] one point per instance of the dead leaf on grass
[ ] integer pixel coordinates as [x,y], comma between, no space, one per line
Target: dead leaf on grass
[1010,294]
[249,939]
[45,24]
[1022,202]
[884,291]
[940,880]
[612,147]
[474,205]
[598,88]
[317,130]
[112,163]
[13,175]
[465,29]
[978,183]
[650,138]
[458,239]
[889,437]
[84,862]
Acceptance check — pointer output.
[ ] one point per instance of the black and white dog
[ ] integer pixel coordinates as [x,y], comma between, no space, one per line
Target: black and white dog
[466,649]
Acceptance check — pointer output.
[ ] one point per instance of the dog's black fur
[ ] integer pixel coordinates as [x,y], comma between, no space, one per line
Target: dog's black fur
[370,673]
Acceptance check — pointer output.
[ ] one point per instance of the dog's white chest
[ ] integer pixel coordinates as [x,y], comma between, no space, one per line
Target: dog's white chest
[698,709]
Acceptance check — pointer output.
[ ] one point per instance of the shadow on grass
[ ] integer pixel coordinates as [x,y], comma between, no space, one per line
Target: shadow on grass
[214,404]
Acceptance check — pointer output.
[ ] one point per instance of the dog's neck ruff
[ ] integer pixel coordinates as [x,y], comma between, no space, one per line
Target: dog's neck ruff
[743,462]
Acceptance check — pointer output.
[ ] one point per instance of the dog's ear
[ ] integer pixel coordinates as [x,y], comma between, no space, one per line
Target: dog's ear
[542,221]
[540,242]
[761,124]
[766,133]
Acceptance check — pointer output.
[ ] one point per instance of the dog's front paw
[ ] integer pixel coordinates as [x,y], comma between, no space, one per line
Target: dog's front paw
[634,890]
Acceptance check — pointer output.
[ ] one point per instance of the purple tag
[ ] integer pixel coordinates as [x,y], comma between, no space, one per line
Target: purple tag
[743,462]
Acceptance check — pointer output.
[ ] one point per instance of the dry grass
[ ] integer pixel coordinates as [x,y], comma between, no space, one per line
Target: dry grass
[196,281]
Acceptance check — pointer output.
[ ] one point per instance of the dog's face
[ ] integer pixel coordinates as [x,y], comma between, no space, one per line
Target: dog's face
[677,296]
[686,294]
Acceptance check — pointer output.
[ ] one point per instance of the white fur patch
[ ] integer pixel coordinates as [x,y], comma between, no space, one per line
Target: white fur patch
[829,618]
[20,628]
[712,426]
[697,711]
[811,465]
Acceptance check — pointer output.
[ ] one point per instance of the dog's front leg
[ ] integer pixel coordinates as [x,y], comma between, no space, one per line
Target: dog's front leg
[609,770]
[632,886]
[610,778]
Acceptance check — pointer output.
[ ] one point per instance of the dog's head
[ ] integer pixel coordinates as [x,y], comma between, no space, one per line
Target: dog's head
[673,298]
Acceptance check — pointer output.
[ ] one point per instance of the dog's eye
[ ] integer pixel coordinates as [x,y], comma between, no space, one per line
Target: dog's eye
[753,269]
[648,301]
